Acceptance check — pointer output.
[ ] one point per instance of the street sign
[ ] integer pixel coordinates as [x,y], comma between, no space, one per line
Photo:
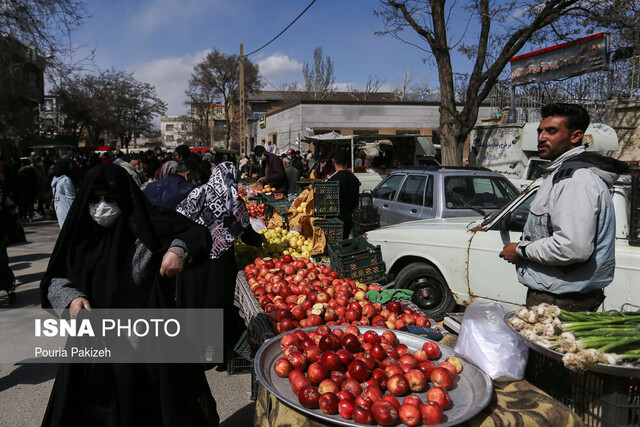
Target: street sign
[262,121]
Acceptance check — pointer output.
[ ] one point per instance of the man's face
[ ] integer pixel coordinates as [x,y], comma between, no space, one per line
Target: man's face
[555,139]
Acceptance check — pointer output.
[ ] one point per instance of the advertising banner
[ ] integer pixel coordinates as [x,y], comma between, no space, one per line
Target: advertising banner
[570,59]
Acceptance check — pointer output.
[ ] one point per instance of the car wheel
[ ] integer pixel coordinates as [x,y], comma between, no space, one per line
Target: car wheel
[431,292]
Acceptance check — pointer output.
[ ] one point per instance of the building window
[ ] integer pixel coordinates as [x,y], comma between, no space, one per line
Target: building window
[407,132]
[183,127]
[219,124]
[169,128]
[322,132]
[48,104]
[365,132]
[219,110]
[170,138]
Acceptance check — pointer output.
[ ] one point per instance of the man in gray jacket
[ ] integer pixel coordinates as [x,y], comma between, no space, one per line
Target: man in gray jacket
[566,255]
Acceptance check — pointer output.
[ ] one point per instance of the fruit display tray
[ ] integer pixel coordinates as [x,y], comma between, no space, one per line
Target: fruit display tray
[470,393]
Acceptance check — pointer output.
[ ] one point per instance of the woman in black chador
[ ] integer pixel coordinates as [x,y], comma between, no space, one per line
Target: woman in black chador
[116,251]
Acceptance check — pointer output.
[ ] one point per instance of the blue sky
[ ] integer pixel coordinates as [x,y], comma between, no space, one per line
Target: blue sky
[160,41]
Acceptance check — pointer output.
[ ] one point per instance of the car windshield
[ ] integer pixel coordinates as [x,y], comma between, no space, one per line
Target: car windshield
[481,192]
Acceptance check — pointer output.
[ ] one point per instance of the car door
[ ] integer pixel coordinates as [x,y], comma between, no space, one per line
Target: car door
[384,196]
[410,201]
[489,275]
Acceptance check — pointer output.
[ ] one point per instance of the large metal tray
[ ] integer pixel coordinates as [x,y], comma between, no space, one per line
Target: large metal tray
[470,394]
[618,370]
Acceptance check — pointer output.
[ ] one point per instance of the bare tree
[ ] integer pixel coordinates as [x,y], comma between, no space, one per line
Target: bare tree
[373,85]
[503,29]
[216,78]
[407,90]
[319,77]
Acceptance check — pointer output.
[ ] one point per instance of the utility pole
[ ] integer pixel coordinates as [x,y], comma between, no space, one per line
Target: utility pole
[243,143]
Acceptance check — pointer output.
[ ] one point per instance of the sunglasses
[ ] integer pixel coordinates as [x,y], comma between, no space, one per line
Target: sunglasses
[109,198]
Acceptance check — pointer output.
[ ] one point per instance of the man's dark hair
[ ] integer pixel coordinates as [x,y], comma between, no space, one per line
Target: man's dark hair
[190,163]
[341,157]
[258,150]
[182,150]
[135,156]
[577,117]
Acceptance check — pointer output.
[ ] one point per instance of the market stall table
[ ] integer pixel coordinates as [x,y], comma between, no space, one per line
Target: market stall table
[518,403]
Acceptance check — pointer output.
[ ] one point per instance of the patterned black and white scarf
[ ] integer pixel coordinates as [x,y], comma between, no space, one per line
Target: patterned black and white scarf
[218,206]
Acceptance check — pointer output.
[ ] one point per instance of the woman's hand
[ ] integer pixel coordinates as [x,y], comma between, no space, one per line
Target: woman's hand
[77,305]
[172,265]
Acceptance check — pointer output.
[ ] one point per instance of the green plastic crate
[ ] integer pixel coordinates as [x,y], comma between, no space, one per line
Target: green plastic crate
[357,259]
[242,363]
[332,228]
[326,198]
[280,206]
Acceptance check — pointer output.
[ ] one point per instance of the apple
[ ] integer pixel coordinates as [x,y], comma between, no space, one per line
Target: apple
[455,361]
[392,370]
[328,386]
[362,415]
[410,414]
[420,355]
[312,353]
[328,402]
[432,349]
[381,377]
[441,377]
[412,399]
[309,397]
[394,306]
[298,360]
[352,386]
[417,380]
[401,349]
[352,330]
[431,413]
[384,413]
[283,367]
[359,371]
[344,394]
[338,377]
[397,385]
[405,367]
[372,393]
[316,373]
[423,321]
[323,330]
[368,359]
[352,315]
[371,337]
[346,356]
[408,359]
[450,367]
[350,342]
[299,382]
[330,360]
[440,396]
[365,402]
[427,367]
[391,398]
[345,409]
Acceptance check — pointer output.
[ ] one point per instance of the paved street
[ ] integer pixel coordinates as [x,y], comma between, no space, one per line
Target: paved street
[25,389]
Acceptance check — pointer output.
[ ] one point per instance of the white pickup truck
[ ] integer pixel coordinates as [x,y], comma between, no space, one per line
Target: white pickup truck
[455,260]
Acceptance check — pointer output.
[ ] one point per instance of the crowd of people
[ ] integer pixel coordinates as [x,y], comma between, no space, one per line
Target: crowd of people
[144,230]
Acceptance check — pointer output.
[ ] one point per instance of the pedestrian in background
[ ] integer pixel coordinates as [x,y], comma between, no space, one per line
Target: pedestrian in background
[293,175]
[63,189]
[349,189]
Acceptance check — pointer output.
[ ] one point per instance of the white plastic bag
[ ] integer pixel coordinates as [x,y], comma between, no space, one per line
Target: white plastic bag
[489,343]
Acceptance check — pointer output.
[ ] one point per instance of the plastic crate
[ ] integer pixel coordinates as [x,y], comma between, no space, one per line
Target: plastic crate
[357,259]
[599,399]
[359,228]
[326,198]
[332,228]
[242,361]
[303,184]
[280,206]
[366,216]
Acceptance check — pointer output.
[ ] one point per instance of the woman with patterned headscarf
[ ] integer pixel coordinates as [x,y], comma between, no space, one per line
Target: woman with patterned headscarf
[218,206]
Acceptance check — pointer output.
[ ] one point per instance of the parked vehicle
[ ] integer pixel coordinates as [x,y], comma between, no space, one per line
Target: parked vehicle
[512,149]
[455,260]
[414,193]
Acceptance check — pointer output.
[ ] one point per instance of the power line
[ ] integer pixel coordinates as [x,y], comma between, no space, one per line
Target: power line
[281,32]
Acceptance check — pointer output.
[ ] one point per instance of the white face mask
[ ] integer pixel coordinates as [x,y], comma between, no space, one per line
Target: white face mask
[103,213]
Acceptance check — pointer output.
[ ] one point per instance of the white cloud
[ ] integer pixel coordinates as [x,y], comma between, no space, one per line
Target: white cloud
[169,76]
[162,14]
[278,64]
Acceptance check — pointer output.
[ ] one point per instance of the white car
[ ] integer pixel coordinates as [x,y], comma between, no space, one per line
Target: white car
[455,260]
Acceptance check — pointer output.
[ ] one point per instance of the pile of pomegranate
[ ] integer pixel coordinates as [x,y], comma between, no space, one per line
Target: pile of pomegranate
[298,293]
[360,376]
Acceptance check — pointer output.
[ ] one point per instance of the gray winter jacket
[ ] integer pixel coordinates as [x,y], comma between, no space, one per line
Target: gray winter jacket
[568,242]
